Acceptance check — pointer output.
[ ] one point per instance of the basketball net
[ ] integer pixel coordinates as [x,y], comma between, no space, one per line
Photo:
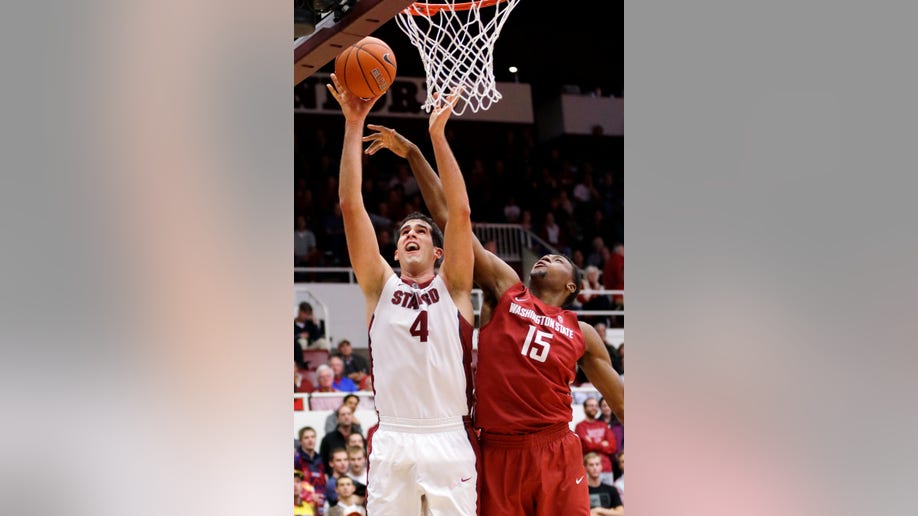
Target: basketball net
[456,43]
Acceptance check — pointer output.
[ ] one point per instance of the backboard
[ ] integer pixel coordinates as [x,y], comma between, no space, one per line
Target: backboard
[317,49]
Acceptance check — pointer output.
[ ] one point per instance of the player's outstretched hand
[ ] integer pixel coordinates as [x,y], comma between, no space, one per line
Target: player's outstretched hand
[353,107]
[443,108]
[386,138]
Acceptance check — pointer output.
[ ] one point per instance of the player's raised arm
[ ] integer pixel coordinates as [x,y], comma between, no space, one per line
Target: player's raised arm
[491,273]
[458,255]
[596,364]
[369,266]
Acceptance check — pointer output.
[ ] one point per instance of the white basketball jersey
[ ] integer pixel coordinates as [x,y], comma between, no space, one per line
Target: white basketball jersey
[420,352]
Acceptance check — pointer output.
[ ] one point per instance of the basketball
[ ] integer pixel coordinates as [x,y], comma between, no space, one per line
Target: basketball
[366,68]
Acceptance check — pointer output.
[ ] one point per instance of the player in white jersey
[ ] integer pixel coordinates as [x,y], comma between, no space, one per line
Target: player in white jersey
[422,455]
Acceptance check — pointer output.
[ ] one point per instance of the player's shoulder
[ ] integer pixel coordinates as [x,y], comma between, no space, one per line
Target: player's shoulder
[586,328]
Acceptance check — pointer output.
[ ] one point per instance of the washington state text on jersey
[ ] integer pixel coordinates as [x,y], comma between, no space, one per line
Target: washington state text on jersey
[543,320]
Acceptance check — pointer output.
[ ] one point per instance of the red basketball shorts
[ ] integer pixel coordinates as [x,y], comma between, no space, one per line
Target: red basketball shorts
[538,474]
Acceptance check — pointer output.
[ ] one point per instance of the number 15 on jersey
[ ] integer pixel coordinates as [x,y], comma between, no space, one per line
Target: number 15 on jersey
[537,344]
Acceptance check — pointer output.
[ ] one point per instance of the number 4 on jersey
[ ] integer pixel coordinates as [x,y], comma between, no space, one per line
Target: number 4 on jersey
[537,347]
[419,326]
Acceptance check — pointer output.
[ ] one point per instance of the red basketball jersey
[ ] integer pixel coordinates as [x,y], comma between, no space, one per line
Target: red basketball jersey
[527,354]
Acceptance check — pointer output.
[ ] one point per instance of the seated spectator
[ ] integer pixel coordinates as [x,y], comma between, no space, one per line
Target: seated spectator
[380,219]
[338,469]
[526,220]
[613,275]
[300,382]
[341,383]
[618,430]
[331,422]
[303,504]
[551,232]
[349,503]
[387,247]
[604,499]
[356,439]
[596,436]
[298,360]
[614,356]
[357,468]
[613,353]
[512,210]
[578,259]
[305,252]
[619,483]
[593,301]
[306,329]
[596,256]
[309,461]
[325,378]
[355,366]
[367,383]
[337,438]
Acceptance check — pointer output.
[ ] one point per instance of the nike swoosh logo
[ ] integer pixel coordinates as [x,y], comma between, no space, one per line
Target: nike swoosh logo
[387,59]
[518,300]
[466,479]
[579,480]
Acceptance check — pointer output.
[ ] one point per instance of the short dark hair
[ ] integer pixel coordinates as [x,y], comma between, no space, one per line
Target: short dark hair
[306,429]
[305,307]
[436,235]
[577,279]
[349,396]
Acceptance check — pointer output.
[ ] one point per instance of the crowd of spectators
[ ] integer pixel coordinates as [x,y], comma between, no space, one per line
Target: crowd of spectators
[330,463]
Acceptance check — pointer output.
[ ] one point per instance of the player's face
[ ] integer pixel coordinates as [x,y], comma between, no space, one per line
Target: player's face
[415,244]
[553,268]
[308,441]
[594,467]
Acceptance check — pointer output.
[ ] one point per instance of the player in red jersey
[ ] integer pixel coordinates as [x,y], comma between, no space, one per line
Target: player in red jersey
[527,352]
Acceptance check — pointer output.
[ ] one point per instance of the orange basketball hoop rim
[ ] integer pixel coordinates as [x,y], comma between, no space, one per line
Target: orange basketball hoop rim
[425,9]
